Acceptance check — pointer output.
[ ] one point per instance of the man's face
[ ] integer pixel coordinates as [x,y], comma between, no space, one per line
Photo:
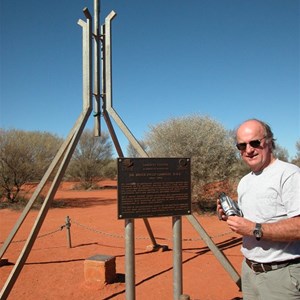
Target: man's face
[258,155]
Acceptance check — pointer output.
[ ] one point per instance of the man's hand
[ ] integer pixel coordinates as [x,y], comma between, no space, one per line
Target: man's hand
[237,224]
[240,225]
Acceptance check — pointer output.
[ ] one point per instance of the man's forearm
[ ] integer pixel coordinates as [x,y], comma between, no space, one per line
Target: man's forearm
[284,230]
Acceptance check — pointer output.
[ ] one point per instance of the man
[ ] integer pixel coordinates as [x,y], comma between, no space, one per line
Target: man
[269,197]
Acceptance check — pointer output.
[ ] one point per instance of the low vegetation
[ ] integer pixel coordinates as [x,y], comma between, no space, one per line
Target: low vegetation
[216,166]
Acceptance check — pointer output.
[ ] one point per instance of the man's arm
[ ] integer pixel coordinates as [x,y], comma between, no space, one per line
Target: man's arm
[284,230]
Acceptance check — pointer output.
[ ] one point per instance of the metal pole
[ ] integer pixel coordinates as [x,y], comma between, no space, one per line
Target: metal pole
[97,42]
[108,64]
[177,257]
[68,227]
[87,63]
[129,259]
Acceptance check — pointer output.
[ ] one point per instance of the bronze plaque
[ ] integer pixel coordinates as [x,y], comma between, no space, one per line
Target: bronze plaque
[153,187]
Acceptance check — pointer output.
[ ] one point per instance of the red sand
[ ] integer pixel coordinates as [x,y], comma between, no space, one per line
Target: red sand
[55,271]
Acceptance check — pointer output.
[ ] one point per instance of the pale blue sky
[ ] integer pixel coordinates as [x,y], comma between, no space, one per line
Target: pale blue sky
[228,59]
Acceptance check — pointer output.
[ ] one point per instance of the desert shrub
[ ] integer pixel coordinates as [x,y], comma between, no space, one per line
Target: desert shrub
[24,157]
[132,152]
[210,147]
[110,170]
[91,158]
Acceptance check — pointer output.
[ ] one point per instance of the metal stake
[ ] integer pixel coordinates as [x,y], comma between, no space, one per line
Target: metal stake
[68,226]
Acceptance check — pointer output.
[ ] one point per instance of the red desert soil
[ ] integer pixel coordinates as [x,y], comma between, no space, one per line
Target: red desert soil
[55,271]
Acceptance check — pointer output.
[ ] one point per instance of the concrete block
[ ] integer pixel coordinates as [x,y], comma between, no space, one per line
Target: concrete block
[100,269]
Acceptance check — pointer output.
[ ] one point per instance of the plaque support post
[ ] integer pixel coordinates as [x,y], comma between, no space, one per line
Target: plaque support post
[177,257]
[129,259]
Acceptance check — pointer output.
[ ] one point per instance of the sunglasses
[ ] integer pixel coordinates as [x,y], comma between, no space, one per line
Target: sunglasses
[253,144]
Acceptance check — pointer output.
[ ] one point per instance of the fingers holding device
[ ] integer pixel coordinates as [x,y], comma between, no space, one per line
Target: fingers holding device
[229,206]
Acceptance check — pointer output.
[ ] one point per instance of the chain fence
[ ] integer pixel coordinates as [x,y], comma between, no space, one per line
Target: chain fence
[70,221]
[144,238]
[41,236]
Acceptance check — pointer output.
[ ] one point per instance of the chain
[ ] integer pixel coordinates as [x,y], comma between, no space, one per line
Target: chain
[41,236]
[52,232]
[98,231]
[212,237]
[119,236]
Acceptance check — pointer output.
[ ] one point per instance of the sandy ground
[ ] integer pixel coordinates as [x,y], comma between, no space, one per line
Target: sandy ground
[55,271]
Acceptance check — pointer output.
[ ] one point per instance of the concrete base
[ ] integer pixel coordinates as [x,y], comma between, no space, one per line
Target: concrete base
[157,248]
[100,269]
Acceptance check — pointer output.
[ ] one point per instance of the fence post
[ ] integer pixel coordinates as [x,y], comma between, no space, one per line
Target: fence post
[68,226]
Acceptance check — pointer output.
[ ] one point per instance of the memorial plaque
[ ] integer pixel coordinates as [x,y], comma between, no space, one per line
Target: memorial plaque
[153,187]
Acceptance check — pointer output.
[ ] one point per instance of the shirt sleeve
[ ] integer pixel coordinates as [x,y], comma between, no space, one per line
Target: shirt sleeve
[291,194]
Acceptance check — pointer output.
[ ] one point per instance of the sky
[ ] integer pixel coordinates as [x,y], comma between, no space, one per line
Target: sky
[230,60]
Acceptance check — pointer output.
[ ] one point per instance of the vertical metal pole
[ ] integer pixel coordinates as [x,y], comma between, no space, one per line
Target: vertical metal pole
[177,257]
[97,42]
[68,227]
[129,259]
[108,51]
[87,63]
[102,67]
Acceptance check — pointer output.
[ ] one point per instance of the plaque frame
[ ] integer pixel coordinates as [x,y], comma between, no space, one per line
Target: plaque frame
[154,187]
